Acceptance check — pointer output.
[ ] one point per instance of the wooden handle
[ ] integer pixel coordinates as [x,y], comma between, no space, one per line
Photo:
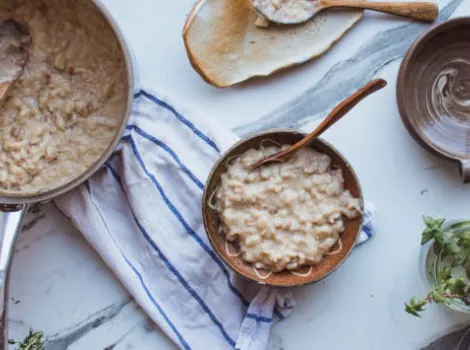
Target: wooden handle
[342,109]
[425,11]
[4,89]
[335,115]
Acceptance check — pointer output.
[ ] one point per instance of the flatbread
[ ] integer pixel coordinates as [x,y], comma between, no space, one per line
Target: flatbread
[225,47]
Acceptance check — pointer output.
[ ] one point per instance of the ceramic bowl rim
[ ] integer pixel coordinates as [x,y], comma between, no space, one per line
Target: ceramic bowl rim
[228,153]
[401,89]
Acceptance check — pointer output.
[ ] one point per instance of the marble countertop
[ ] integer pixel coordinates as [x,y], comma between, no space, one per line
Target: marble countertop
[60,286]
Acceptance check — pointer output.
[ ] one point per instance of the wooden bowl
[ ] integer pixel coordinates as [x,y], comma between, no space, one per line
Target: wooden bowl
[433,91]
[284,278]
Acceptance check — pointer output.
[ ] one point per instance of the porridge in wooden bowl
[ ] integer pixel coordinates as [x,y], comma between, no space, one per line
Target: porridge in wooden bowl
[284,215]
[287,223]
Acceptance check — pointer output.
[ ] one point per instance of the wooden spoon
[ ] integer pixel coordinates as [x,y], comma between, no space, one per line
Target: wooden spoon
[287,14]
[15,41]
[335,115]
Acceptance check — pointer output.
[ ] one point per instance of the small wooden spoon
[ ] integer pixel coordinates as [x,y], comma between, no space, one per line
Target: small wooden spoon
[335,115]
[15,40]
[424,11]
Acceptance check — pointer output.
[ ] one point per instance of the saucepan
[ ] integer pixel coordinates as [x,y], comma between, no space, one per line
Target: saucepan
[13,208]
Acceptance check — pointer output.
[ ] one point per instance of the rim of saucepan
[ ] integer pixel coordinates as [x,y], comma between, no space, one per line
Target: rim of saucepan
[402,88]
[227,154]
[46,195]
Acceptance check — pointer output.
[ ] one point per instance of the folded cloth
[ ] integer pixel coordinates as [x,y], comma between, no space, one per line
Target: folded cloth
[142,213]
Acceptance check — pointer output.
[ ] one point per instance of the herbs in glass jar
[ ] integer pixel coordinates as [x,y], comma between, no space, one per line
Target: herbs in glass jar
[447,265]
[33,341]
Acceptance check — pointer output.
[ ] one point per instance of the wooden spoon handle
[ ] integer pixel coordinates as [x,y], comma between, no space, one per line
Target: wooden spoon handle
[335,115]
[425,11]
[4,89]
[342,109]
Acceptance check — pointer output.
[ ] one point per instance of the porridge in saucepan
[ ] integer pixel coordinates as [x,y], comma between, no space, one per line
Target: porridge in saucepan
[64,111]
[284,215]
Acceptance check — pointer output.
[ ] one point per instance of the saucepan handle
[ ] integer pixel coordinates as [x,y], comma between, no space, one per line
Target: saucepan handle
[465,170]
[11,219]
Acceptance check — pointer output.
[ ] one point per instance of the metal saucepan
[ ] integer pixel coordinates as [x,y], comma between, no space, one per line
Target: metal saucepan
[13,208]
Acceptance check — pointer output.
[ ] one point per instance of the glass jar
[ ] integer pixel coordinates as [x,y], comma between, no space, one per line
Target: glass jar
[432,262]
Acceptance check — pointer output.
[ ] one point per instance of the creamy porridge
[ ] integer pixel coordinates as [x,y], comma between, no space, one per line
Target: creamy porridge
[286,11]
[64,111]
[284,215]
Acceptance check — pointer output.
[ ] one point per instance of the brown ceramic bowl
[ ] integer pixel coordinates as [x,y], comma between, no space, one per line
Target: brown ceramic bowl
[433,91]
[284,279]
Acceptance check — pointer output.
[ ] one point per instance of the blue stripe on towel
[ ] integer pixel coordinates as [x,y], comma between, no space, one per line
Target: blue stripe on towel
[180,338]
[259,318]
[115,174]
[168,263]
[186,226]
[87,185]
[139,276]
[185,121]
[210,142]
[188,172]
[169,151]
[367,231]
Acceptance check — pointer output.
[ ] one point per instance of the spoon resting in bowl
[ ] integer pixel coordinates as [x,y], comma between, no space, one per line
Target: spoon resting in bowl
[15,40]
[335,115]
[299,11]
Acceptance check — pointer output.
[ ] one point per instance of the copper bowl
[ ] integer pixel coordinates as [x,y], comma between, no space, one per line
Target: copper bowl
[433,91]
[284,278]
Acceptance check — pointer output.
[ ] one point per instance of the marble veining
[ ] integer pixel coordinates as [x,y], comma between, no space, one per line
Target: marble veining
[345,77]
[65,338]
[81,306]
[458,340]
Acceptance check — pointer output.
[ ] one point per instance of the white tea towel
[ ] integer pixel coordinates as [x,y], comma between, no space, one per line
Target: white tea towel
[254,331]
[142,214]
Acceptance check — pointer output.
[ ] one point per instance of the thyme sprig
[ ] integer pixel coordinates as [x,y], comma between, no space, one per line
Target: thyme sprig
[33,341]
[453,244]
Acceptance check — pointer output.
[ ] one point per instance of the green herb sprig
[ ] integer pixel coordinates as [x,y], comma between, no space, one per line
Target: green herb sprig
[451,243]
[33,341]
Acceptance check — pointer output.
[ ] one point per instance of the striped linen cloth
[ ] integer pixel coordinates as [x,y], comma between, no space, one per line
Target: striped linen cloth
[142,213]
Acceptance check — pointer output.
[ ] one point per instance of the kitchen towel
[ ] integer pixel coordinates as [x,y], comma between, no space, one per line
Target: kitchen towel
[142,213]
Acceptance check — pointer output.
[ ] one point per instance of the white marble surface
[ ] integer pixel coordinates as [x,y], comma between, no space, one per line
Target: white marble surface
[60,286]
